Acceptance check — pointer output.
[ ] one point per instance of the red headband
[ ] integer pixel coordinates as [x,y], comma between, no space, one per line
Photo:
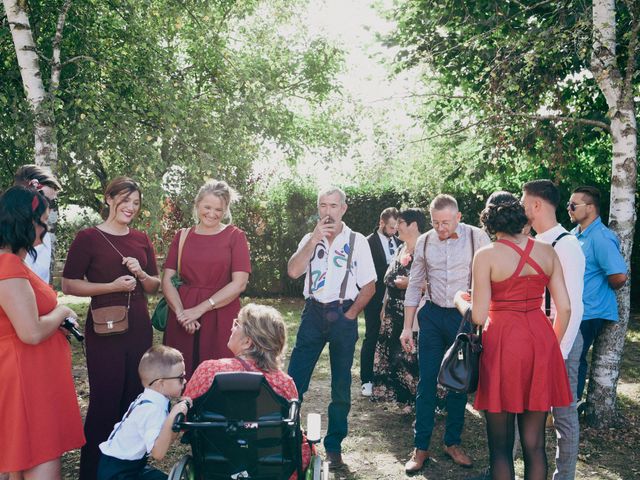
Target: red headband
[35,203]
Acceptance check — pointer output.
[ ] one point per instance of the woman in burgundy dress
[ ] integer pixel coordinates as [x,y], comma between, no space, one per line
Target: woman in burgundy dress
[114,265]
[215,269]
[522,373]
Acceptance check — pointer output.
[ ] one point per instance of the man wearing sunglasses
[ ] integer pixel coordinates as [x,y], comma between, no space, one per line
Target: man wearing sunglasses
[605,270]
[39,178]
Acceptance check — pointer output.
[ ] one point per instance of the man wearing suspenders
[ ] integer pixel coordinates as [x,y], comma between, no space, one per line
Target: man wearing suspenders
[443,258]
[339,282]
[541,199]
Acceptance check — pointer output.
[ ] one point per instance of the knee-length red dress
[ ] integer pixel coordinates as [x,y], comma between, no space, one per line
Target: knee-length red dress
[521,366]
[40,414]
[206,266]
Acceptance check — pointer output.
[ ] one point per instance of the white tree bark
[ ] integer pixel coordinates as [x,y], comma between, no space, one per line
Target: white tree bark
[607,354]
[45,146]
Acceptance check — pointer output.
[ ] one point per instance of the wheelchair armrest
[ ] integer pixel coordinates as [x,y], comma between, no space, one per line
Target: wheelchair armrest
[294,410]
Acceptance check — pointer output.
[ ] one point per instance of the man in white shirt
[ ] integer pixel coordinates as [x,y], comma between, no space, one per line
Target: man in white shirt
[39,178]
[339,281]
[541,199]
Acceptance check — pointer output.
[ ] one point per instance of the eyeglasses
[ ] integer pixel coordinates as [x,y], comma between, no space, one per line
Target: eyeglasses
[437,225]
[236,323]
[572,206]
[182,378]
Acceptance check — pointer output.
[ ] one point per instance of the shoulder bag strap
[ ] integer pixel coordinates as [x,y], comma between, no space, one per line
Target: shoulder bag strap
[183,238]
[245,364]
[547,294]
[119,253]
[345,280]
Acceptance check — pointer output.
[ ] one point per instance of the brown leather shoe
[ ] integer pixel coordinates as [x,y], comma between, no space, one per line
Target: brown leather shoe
[417,461]
[335,460]
[456,453]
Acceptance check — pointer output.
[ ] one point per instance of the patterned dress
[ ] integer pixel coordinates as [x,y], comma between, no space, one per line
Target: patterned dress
[395,372]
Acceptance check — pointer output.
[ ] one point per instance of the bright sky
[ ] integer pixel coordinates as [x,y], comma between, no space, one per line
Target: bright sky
[352,25]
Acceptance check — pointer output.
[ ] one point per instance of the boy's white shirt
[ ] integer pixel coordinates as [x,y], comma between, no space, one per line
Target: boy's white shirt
[137,435]
[41,265]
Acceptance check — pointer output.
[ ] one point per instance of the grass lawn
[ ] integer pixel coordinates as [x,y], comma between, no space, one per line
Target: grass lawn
[381,435]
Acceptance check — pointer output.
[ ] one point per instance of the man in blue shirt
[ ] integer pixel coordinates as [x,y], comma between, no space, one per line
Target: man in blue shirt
[605,270]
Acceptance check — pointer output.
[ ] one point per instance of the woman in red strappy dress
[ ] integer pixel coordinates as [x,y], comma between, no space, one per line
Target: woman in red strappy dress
[522,374]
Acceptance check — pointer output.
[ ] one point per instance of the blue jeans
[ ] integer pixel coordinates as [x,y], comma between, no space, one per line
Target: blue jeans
[590,329]
[438,329]
[322,323]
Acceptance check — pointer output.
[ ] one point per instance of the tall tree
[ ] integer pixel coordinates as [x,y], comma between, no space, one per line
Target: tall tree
[550,82]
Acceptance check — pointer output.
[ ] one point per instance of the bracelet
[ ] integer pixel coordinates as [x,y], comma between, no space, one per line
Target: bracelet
[212,302]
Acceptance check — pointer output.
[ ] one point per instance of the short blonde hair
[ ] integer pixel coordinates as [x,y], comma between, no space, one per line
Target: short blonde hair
[265,328]
[443,201]
[220,189]
[157,362]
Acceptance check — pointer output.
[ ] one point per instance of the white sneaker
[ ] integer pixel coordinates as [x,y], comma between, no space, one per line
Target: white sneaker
[367,389]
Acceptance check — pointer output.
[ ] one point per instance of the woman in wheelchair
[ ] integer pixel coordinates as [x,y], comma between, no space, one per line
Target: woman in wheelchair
[258,340]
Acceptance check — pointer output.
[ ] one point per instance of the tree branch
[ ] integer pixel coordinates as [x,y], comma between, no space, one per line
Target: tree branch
[77,59]
[56,66]
[561,118]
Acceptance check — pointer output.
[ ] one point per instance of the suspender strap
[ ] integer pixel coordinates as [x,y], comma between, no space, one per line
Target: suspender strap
[345,280]
[473,252]
[547,295]
[426,264]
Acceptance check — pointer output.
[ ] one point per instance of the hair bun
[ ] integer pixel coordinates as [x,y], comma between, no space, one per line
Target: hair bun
[503,213]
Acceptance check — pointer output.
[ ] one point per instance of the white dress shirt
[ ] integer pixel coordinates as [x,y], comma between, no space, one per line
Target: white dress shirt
[134,436]
[328,265]
[573,263]
[384,240]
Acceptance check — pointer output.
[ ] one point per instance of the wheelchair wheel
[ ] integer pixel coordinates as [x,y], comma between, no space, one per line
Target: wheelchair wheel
[183,470]
[314,471]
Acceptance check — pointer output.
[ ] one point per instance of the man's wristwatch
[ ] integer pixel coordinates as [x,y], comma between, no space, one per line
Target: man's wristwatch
[212,302]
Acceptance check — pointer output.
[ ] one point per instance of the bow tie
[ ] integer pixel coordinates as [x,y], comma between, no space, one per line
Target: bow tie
[454,236]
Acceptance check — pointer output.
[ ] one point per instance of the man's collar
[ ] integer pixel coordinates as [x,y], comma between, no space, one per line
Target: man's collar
[455,235]
[551,234]
[596,222]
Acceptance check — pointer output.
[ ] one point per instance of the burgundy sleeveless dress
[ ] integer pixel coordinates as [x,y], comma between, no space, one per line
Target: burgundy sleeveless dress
[521,366]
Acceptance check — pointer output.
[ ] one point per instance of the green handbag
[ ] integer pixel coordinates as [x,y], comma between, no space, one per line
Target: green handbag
[161,312]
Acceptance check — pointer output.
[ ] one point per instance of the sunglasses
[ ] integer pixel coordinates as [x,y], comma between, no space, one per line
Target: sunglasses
[182,378]
[572,206]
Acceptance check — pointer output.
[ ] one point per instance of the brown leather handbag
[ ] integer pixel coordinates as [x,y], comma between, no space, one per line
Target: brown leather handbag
[111,320]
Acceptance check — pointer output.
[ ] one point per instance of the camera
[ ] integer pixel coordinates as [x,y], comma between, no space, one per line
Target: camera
[69,325]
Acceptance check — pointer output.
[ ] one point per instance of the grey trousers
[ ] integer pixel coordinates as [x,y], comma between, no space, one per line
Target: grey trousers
[565,420]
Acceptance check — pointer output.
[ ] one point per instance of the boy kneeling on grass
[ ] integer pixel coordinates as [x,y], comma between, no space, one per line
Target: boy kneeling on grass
[146,427]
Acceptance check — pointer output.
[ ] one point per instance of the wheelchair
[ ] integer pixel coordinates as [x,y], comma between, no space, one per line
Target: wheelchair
[242,429]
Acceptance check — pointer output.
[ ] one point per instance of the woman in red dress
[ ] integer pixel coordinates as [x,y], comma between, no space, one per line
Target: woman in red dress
[215,269]
[115,265]
[258,339]
[40,413]
[522,373]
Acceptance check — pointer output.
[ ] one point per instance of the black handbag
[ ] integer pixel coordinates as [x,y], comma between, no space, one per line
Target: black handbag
[460,366]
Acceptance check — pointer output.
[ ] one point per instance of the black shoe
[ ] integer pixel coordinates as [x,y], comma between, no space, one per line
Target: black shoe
[335,460]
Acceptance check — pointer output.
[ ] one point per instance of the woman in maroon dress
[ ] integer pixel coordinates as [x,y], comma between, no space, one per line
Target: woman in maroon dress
[114,265]
[522,373]
[215,269]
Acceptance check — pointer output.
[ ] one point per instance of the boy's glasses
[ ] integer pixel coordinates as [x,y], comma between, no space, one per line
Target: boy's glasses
[572,206]
[182,378]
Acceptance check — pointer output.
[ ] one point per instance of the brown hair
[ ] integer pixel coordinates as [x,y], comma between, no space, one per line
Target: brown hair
[26,173]
[265,328]
[592,194]
[157,362]
[119,186]
[387,213]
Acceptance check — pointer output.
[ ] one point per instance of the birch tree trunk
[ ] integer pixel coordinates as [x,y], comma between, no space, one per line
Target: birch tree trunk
[618,91]
[45,145]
